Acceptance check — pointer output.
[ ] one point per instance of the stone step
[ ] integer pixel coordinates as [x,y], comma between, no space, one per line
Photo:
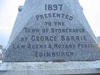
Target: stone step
[50,68]
[32,73]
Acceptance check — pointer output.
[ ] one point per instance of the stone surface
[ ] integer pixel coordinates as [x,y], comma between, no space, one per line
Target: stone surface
[53,30]
[50,68]
[32,72]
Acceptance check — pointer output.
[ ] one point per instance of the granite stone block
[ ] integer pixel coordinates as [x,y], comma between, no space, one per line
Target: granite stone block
[53,30]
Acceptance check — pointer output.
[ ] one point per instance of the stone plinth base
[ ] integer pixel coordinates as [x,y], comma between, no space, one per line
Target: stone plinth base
[49,68]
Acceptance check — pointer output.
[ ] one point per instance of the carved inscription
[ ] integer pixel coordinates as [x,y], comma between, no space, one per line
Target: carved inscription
[54,38]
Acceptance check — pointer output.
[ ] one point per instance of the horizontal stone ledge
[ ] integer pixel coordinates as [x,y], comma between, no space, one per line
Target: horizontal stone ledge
[70,67]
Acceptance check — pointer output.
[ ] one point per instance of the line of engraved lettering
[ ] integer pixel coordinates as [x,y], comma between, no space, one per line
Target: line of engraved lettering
[53,54]
[54,15]
[56,46]
[55,23]
[53,7]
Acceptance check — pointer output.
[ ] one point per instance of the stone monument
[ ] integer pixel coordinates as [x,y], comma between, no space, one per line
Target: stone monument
[52,31]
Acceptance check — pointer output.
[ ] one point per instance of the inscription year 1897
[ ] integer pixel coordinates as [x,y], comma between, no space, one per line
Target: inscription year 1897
[53,6]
